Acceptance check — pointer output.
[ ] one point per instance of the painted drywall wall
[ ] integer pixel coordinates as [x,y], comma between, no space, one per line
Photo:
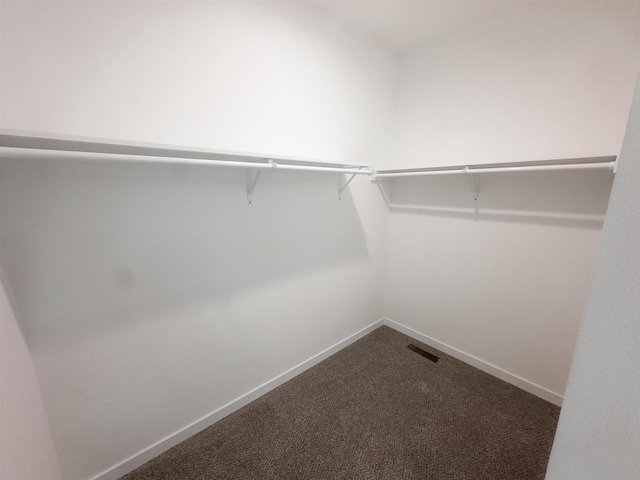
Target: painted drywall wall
[26,446]
[268,77]
[152,295]
[598,434]
[543,80]
[503,278]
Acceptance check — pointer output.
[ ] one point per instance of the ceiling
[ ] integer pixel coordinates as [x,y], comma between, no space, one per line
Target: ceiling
[400,25]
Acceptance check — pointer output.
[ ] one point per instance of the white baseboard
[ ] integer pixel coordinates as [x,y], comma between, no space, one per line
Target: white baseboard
[166,443]
[498,372]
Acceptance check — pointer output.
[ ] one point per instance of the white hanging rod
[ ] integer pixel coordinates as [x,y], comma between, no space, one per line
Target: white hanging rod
[269,164]
[525,168]
[30,153]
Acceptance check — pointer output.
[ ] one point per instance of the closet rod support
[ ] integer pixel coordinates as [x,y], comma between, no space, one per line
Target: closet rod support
[475,182]
[341,187]
[251,178]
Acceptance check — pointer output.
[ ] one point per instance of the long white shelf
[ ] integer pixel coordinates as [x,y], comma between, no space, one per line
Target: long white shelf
[267,164]
[22,145]
[591,163]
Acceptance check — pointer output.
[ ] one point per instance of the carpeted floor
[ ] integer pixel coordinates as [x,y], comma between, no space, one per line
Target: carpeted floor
[375,410]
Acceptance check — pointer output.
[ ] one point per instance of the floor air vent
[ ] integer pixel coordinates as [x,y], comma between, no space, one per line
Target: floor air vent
[428,355]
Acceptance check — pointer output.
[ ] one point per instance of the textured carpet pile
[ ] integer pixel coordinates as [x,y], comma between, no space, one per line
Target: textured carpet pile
[374,410]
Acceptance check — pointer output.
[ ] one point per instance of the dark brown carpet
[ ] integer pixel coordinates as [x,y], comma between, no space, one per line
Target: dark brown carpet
[375,410]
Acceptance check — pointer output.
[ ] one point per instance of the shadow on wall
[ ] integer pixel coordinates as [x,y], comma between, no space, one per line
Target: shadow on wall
[572,198]
[95,245]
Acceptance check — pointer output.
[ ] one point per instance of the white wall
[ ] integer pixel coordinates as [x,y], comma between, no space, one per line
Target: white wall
[546,80]
[599,431]
[26,446]
[504,278]
[268,77]
[152,295]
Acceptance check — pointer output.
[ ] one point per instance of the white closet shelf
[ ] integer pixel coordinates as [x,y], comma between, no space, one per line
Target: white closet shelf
[22,144]
[589,163]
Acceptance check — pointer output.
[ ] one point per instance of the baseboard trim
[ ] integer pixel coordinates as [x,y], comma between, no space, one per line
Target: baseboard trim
[169,441]
[498,372]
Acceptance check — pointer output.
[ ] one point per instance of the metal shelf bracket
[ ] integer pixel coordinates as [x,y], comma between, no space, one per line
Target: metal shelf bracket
[252,178]
[341,187]
[475,182]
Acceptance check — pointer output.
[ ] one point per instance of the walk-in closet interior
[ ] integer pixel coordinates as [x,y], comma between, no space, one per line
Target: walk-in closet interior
[319,239]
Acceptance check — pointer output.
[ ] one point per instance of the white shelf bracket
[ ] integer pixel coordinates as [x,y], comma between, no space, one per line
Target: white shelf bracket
[475,179]
[252,178]
[341,187]
[475,182]
[374,178]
